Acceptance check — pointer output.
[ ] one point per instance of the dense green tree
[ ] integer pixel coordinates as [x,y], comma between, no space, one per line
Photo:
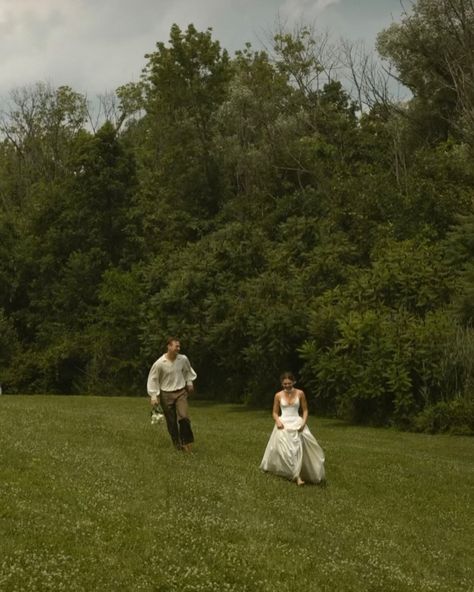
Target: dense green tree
[433,50]
[184,83]
[378,344]
[460,255]
[74,228]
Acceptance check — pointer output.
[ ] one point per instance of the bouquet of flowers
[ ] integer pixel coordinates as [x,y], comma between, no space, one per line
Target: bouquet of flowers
[157,415]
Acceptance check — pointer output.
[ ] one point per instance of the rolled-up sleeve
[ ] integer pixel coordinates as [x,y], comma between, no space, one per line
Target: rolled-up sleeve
[153,382]
[188,372]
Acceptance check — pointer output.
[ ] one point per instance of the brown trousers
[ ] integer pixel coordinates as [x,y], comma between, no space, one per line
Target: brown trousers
[175,408]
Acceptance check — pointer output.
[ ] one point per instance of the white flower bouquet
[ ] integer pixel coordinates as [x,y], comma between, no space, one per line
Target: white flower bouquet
[157,415]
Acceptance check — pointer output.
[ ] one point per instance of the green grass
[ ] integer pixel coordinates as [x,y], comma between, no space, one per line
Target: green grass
[94,498]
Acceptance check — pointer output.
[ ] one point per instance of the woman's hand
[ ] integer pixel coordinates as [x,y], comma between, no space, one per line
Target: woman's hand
[279,424]
[301,428]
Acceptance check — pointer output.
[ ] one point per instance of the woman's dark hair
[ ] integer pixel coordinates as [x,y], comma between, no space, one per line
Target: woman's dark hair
[287,375]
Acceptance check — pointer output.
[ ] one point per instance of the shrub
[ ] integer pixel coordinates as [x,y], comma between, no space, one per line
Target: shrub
[455,416]
[385,346]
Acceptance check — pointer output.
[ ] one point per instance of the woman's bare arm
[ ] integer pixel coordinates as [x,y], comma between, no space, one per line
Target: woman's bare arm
[276,411]
[304,407]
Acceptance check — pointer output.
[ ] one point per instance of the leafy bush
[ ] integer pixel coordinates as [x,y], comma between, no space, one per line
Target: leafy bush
[455,416]
[383,348]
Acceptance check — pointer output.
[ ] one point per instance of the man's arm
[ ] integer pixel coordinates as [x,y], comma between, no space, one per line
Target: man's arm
[153,384]
[189,374]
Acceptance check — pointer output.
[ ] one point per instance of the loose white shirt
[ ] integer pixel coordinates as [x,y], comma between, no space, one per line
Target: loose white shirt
[168,375]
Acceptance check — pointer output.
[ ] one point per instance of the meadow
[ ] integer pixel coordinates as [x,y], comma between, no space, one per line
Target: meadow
[94,498]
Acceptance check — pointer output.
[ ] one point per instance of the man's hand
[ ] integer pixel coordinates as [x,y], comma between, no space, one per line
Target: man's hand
[190,388]
[154,401]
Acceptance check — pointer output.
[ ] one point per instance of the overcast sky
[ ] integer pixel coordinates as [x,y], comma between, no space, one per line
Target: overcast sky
[94,46]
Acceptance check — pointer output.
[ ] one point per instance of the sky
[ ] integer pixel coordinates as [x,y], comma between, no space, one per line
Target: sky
[95,46]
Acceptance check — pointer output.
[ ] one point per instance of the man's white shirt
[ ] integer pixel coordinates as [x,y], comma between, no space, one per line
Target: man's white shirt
[167,375]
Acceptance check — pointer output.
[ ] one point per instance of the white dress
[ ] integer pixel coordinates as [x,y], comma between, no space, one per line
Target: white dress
[290,453]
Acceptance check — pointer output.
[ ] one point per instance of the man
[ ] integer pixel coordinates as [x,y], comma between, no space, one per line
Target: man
[170,381]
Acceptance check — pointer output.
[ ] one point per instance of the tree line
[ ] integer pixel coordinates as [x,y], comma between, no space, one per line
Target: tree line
[277,209]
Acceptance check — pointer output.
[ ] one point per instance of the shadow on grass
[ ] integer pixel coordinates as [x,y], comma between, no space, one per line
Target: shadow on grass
[307,484]
[207,403]
[337,423]
[241,408]
[229,405]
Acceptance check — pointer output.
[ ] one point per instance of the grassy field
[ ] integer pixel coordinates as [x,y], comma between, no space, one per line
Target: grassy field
[94,498]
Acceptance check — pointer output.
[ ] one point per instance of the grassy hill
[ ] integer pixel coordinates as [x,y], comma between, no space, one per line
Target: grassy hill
[93,497]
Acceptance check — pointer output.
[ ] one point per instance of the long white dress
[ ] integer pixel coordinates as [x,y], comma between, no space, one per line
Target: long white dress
[290,453]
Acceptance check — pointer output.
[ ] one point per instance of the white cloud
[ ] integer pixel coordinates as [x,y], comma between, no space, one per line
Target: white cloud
[97,45]
[295,10]
[90,45]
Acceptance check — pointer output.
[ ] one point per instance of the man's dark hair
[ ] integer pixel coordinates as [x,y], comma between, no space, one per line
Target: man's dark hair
[171,338]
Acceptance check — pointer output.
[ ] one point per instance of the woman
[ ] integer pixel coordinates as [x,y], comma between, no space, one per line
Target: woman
[292,451]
